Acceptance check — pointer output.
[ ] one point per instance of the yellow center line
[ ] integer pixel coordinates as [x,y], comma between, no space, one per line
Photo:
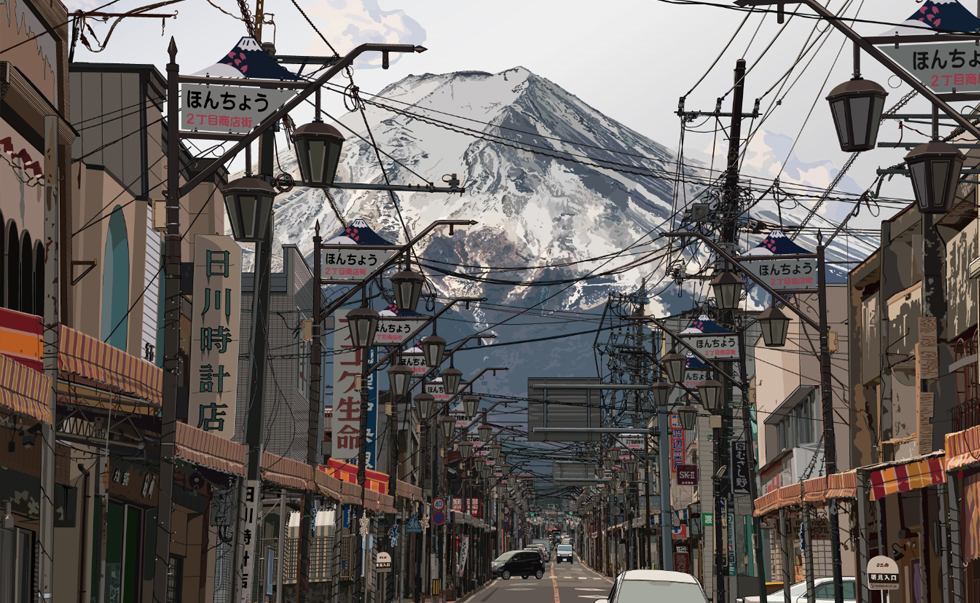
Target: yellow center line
[555,583]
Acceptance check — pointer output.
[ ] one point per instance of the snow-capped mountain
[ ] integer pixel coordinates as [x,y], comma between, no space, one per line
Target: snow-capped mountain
[531,208]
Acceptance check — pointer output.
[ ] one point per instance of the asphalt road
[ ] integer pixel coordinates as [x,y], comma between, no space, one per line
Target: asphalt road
[562,583]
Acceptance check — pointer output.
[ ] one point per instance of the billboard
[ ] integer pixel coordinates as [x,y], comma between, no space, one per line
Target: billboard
[567,408]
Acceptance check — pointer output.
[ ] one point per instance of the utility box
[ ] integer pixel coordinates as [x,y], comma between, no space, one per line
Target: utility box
[159,209]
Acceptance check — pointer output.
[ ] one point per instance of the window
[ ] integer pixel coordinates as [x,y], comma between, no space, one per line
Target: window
[825,591]
[175,574]
[799,426]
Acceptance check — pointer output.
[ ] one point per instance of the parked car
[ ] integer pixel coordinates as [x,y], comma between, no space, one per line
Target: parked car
[644,586]
[518,563]
[823,590]
[564,553]
[545,554]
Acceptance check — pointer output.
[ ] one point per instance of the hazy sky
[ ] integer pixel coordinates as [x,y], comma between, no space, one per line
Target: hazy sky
[630,59]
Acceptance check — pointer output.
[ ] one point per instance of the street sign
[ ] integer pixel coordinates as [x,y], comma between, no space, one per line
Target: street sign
[438,504]
[882,573]
[382,564]
[438,518]
[345,264]
[945,67]
[740,467]
[708,519]
[393,330]
[679,532]
[780,273]
[414,526]
[687,475]
[227,109]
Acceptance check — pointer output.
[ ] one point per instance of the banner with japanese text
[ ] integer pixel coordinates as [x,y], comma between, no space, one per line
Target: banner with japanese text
[215,326]
[346,421]
[676,444]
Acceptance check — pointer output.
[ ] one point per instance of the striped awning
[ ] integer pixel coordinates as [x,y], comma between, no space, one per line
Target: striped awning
[766,503]
[21,338]
[24,391]
[842,485]
[407,490]
[388,504]
[963,449]
[326,485]
[372,500]
[815,490]
[350,493]
[287,472]
[908,476]
[209,450]
[85,356]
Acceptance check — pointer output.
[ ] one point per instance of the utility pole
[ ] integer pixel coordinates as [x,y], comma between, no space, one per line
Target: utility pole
[172,368]
[51,311]
[729,241]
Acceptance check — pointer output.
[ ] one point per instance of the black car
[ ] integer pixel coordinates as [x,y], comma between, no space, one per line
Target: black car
[518,563]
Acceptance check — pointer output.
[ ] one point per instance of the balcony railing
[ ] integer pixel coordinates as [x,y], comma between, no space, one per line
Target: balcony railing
[966,415]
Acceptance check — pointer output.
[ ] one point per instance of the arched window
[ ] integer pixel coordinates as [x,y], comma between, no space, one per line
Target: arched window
[13,268]
[115,282]
[39,282]
[26,274]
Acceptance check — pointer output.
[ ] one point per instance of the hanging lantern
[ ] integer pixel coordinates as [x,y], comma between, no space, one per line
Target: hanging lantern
[607,463]
[479,462]
[448,424]
[935,170]
[450,379]
[688,416]
[728,289]
[660,392]
[856,106]
[433,348]
[774,325]
[248,202]
[485,471]
[399,379]
[465,449]
[424,403]
[494,452]
[484,431]
[408,288]
[471,404]
[318,153]
[614,454]
[363,324]
[710,393]
[674,365]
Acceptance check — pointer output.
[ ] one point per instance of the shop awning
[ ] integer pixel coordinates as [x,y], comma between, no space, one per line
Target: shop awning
[350,493]
[406,490]
[909,475]
[815,490]
[24,391]
[372,500]
[209,450]
[766,503]
[842,485]
[388,504]
[963,449]
[326,485]
[287,472]
[87,357]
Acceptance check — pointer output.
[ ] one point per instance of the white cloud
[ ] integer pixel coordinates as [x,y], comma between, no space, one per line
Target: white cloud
[350,23]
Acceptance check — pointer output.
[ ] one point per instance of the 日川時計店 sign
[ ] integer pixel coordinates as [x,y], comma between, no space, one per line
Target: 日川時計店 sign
[234,109]
[344,264]
[791,273]
[940,66]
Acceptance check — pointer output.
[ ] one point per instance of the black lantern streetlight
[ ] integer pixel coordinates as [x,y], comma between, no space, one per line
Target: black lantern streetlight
[318,153]
[400,378]
[674,365]
[660,392]
[935,170]
[433,347]
[774,325]
[485,432]
[363,324]
[408,288]
[856,107]
[448,424]
[248,202]
[614,454]
[688,416]
[450,379]
[727,287]
[479,462]
[424,403]
[710,393]
[485,472]
[465,448]
[471,404]
[494,452]
[607,463]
